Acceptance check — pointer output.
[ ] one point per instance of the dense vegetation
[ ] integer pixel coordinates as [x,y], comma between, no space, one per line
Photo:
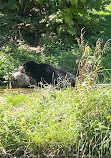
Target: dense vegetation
[52,27]
[48,122]
[52,123]
[34,19]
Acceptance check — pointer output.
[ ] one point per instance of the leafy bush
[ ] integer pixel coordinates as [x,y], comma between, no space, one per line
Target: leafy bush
[10,59]
[6,66]
[31,20]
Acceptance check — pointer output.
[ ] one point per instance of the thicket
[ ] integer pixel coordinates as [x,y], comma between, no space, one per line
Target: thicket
[33,20]
[54,26]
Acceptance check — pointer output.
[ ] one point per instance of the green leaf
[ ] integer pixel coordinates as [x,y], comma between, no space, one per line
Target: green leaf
[109,117]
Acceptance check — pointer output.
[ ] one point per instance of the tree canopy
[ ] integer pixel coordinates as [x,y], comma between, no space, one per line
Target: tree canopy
[43,17]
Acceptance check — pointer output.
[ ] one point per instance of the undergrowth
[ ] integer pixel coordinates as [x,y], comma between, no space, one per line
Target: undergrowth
[13,55]
[90,65]
[52,123]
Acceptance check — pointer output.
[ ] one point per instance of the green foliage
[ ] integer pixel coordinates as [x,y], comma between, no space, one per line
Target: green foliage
[40,26]
[13,55]
[91,63]
[34,18]
[62,123]
[6,66]
[75,14]
[47,122]
[10,59]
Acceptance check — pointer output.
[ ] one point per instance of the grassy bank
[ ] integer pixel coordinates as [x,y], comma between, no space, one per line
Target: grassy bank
[52,123]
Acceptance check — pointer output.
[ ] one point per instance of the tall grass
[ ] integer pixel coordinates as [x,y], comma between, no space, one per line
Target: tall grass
[52,123]
[90,65]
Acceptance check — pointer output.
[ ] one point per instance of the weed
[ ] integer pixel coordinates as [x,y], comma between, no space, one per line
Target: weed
[91,60]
